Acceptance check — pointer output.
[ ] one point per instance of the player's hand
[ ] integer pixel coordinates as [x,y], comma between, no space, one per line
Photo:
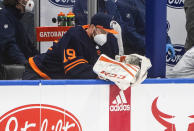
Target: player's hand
[170,48]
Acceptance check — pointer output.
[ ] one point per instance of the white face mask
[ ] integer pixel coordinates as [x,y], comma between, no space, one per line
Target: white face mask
[100,39]
[29,6]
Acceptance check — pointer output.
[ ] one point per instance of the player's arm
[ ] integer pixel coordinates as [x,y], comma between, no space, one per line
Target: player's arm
[76,66]
[8,43]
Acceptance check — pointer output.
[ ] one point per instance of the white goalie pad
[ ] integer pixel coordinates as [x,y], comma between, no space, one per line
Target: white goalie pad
[141,61]
[123,75]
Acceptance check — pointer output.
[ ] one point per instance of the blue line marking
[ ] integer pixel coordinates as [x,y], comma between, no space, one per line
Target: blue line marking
[75,82]
[168,81]
[19,82]
[89,82]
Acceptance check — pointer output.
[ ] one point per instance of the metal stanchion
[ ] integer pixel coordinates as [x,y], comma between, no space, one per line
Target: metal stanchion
[92,9]
[37,19]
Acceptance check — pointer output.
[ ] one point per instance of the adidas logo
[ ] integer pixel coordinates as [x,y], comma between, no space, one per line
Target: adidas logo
[120,103]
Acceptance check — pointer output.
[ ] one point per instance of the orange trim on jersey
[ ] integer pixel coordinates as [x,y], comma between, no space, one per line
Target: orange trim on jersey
[110,61]
[85,26]
[83,60]
[56,41]
[50,48]
[37,70]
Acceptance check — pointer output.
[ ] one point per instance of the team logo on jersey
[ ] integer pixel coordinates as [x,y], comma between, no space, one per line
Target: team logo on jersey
[5,26]
[85,12]
[120,103]
[180,122]
[179,52]
[128,15]
[63,3]
[177,4]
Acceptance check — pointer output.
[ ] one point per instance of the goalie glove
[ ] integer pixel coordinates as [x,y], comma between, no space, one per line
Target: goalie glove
[141,61]
[123,75]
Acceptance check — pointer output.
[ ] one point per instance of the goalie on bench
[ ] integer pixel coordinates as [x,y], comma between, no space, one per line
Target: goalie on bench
[75,54]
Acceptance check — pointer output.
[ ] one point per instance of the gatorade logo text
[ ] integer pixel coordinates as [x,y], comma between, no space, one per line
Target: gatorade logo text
[52,34]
